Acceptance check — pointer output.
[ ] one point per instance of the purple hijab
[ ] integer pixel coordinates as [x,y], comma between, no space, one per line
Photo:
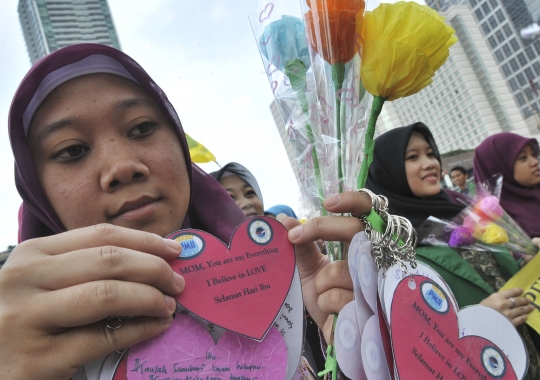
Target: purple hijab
[497,155]
[211,209]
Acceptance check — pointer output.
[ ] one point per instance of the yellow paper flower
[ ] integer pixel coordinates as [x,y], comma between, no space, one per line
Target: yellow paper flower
[494,234]
[403,44]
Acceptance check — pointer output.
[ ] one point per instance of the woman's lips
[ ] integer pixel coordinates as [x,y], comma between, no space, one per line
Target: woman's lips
[430,177]
[137,210]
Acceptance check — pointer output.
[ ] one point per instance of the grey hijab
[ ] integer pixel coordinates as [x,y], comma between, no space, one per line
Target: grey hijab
[236,169]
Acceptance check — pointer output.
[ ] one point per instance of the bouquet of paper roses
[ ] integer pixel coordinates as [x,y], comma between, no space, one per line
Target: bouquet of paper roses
[483,224]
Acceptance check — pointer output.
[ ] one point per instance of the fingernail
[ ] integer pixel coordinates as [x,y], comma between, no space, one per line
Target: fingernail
[280,217]
[171,303]
[296,232]
[165,320]
[332,201]
[173,245]
[179,281]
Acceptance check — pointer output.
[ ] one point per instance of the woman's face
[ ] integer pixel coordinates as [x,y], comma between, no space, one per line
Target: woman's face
[422,167]
[526,171]
[105,153]
[243,194]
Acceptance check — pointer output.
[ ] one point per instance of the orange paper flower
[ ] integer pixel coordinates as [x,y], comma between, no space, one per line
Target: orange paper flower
[331,28]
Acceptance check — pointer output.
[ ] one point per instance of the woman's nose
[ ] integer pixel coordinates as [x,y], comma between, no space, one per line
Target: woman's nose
[245,204]
[122,168]
[427,162]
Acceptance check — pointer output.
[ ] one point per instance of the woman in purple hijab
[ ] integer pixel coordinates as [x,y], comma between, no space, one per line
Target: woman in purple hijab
[515,157]
[103,168]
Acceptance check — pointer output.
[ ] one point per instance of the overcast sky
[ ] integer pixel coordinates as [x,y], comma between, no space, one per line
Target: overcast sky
[203,54]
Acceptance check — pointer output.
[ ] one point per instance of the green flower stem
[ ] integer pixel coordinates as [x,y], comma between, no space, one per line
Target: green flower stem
[338,76]
[369,144]
[295,70]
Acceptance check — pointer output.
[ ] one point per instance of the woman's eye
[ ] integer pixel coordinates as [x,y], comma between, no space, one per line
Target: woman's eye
[72,153]
[250,193]
[412,157]
[142,129]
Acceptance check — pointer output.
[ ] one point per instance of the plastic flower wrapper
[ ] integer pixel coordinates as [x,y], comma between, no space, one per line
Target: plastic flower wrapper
[443,233]
[403,45]
[487,222]
[485,209]
[325,118]
[331,32]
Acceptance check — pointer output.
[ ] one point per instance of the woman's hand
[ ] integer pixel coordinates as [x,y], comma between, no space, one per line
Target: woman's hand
[327,287]
[508,303]
[56,293]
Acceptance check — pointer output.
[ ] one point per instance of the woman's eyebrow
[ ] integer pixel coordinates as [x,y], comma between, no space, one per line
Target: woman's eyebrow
[54,127]
[411,150]
[135,102]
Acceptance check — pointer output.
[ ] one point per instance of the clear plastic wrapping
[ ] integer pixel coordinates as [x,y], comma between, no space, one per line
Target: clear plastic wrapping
[310,54]
[483,224]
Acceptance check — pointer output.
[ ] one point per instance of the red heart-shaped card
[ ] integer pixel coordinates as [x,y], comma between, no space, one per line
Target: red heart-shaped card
[431,340]
[243,286]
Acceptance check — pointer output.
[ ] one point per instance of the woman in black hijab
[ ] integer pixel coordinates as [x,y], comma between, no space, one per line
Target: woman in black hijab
[387,176]
[406,169]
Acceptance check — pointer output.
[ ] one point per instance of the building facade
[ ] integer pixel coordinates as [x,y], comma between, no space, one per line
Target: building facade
[49,25]
[518,59]
[470,97]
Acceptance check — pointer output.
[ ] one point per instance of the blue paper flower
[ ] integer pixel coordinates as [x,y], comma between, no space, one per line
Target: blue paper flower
[285,40]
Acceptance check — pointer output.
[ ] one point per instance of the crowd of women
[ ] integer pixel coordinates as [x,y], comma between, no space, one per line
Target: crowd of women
[103,168]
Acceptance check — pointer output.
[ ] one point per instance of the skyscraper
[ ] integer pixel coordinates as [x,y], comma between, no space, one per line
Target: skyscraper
[518,59]
[469,98]
[49,25]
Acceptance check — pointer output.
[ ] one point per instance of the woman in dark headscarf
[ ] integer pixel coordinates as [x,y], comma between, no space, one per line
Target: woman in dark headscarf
[515,158]
[406,169]
[96,141]
[102,165]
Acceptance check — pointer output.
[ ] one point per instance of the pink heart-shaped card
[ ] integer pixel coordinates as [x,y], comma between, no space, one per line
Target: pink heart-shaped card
[432,339]
[187,351]
[240,287]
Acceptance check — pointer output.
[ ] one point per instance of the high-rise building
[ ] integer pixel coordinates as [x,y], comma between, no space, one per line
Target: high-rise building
[518,59]
[49,25]
[469,98]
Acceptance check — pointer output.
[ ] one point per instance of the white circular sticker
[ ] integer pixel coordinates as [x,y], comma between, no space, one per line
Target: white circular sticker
[493,362]
[260,232]
[192,245]
[373,355]
[366,271]
[347,334]
[434,297]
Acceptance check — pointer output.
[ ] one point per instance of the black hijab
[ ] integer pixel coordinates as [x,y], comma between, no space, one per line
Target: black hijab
[387,177]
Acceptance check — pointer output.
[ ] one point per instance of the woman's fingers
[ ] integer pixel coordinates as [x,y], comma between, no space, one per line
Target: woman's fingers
[108,263]
[519,320]
[354,202]
[93,301]
[508,303]
[333,300]
[327,228]
[334,284]
[518,311]
[91,342]
[334,275]
[105,235]
[515,302]
[513,292]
